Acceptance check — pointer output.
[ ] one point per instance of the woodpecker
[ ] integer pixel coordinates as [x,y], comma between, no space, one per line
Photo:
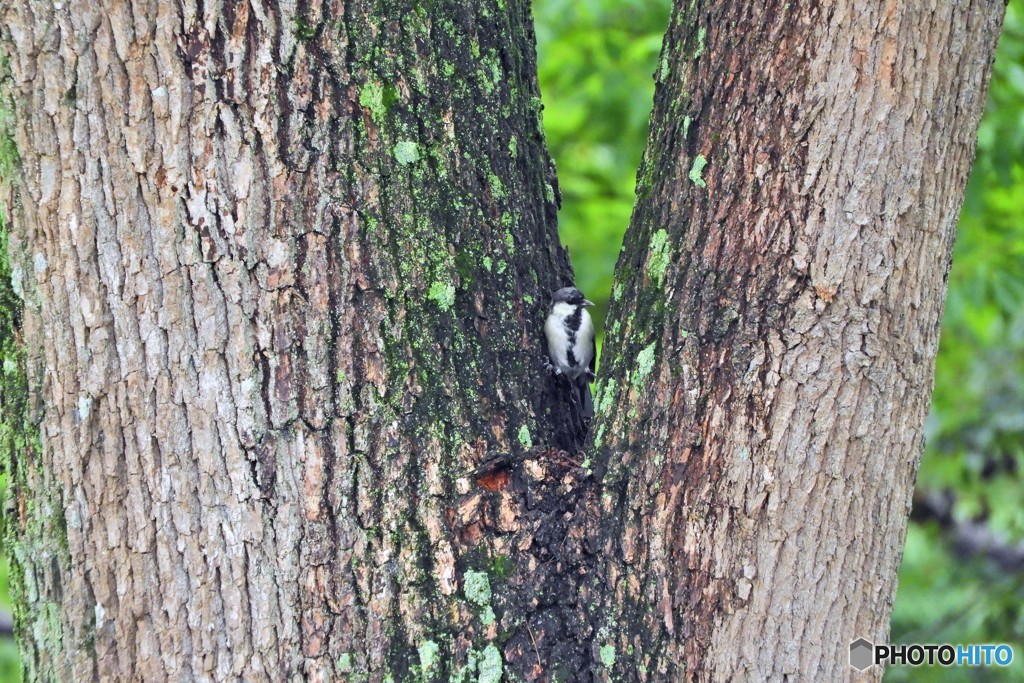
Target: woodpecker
[571,343]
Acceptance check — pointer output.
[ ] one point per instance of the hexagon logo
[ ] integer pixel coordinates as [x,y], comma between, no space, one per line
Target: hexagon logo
[861,654]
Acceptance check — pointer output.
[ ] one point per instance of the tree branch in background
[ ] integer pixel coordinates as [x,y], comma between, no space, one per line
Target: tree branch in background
[968,538]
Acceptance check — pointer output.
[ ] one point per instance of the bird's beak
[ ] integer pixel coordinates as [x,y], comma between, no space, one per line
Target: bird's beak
[588,302]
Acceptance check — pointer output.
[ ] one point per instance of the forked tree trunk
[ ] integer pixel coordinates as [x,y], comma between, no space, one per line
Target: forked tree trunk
[774,329]
[284,272]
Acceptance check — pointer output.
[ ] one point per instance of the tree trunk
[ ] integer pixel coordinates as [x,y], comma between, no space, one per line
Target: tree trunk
[284,270]
[774,328]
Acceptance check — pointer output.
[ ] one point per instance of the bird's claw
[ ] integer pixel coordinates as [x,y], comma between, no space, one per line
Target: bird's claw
[551,368]
[591,377]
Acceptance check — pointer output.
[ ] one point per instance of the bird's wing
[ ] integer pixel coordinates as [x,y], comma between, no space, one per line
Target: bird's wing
[593,353]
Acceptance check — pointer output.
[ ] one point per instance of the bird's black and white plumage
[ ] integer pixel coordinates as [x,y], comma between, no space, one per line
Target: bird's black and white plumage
[571,343]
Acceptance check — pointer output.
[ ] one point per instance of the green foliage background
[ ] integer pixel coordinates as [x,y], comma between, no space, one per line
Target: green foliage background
[597,58]
[596,64]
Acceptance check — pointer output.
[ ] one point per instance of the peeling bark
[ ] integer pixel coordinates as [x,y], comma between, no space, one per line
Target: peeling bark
[774,328]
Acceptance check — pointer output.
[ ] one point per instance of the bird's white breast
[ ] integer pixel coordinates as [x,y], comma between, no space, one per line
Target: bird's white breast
[558,336]
[558,332]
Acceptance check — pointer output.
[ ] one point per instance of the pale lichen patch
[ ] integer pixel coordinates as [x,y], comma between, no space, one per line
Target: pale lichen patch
[490,665]
[697,171]
[644,363]
[443,294]
[407,152]
[701,35]
[477,588]
[429,653]
[658,255]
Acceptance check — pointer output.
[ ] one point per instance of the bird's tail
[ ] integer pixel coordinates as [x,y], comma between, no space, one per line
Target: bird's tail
[586,400]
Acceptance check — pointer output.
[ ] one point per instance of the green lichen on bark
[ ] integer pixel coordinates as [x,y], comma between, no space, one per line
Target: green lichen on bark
[407,152]
[13,382]
[490,665]
[377,97]
[658,255]
[524,437]
[33,527]
[701,35]
[644,363]
[696,174]
[497,189]
[34,534]
[443,294]
[477,587]
[429,653]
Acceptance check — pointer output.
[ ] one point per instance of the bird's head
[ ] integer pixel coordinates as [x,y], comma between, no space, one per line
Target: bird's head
[571,296]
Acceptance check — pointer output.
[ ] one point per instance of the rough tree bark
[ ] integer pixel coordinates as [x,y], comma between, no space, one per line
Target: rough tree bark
[283,270]
[774,329]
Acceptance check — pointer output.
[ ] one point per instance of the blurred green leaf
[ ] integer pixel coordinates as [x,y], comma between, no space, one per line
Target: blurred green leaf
[596,64]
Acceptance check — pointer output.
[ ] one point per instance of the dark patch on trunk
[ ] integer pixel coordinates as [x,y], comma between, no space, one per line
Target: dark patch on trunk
[546,511]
